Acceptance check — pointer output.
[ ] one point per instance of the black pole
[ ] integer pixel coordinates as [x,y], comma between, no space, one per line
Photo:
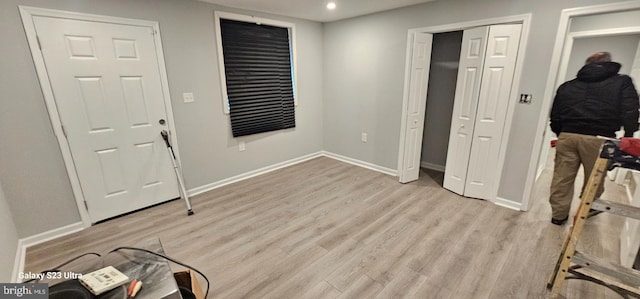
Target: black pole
[165,136]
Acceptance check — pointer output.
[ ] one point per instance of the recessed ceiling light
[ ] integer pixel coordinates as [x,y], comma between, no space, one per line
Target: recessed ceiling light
[331,5]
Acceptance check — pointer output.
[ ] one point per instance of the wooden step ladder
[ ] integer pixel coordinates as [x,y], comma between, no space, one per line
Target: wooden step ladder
[575,265]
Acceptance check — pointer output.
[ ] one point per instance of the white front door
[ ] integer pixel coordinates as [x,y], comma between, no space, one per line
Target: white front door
[108,92]
[464,107]
[418,83]
[482,97]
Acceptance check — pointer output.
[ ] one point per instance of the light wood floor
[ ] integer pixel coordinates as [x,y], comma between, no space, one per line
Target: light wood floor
[327,229]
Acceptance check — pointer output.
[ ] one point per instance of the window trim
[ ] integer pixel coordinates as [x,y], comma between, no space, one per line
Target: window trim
[257,20]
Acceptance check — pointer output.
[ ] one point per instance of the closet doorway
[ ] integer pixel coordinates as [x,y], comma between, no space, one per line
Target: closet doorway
[469,147]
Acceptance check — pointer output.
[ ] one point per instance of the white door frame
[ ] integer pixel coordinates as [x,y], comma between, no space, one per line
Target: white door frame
[27,13]
[555,70]
[525,20]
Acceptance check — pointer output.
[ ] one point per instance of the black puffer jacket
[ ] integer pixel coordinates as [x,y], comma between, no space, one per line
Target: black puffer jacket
[598,102]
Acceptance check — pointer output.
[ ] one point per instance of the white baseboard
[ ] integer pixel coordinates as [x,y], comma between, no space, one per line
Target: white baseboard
[253,173]
[250,174]
[432,166]
[24,243]
[508,204]
[385,170]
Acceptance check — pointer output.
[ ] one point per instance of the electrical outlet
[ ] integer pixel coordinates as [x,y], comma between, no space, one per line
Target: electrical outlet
[241,146]
[364,137]
[187,97]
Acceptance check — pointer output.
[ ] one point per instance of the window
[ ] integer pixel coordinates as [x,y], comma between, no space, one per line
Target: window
[257,68]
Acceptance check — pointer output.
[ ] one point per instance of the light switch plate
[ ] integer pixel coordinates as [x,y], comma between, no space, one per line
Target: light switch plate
[525,98]
[188,97]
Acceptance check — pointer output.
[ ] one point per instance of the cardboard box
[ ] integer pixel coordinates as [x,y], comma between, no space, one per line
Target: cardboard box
[187,279]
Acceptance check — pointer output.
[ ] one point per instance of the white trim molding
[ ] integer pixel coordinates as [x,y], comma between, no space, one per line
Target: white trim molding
[363,164]
[553,77]
[250,174]
[476,23]
[28,13]
[24,243]
[264,170]
[510,204]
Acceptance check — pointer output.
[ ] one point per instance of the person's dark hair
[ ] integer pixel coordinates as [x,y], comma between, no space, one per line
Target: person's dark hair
[599,57]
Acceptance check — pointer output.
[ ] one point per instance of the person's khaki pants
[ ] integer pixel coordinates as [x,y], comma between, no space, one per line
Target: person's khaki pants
[572,150]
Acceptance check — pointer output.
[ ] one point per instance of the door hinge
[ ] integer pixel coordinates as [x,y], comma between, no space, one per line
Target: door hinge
[86,205]
[64,131]
[39,44]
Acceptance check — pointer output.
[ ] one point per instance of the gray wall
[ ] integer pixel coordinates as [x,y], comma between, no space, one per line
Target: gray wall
[32,171]
[8,240]
[622,48]
[443,74]
[364,78]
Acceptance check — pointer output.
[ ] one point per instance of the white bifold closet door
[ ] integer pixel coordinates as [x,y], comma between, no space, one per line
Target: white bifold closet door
[485,76]
[419,79]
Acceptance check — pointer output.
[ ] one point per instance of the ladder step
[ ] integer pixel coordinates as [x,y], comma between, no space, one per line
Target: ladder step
[616,208]
[611,273]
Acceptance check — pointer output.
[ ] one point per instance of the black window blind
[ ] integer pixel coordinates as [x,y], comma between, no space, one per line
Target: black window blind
[257,61]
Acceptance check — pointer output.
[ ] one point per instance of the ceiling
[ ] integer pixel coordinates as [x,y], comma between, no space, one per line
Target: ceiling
[316,10]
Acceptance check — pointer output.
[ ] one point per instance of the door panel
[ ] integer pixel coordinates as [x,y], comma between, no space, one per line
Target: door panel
[133,93]
[477,166]
[465,107]
[495,91]
[420,61]
[489,104]
[457,168]
[107,88]
[469,86]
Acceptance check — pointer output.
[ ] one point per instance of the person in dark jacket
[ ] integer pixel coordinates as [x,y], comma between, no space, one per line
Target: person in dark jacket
[596,103]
